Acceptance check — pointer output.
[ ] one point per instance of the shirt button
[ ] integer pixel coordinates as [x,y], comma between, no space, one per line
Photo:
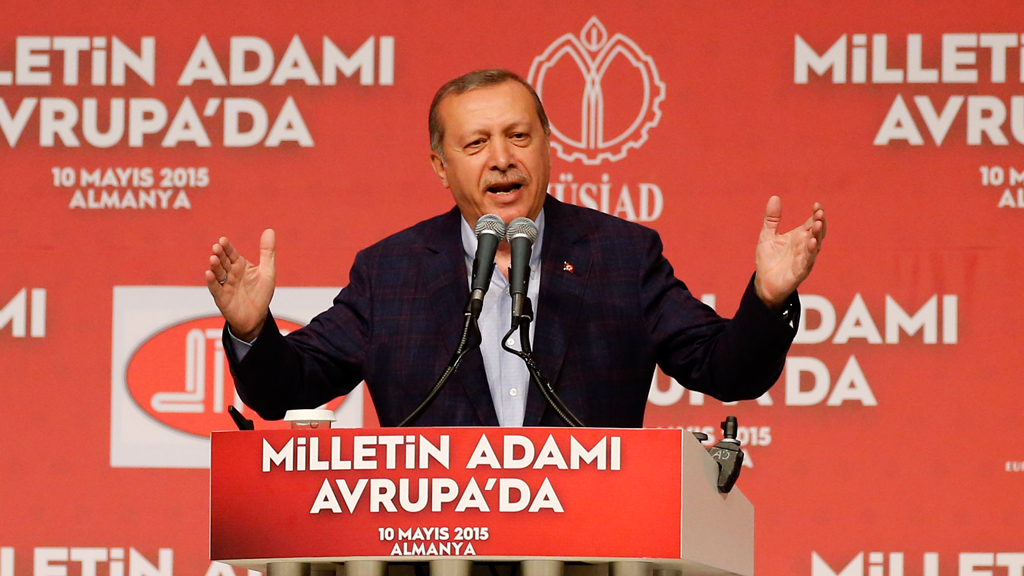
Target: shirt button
[513,392]
[511,342]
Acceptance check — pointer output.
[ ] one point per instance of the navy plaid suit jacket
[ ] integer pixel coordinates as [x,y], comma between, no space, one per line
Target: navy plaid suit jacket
[600,331]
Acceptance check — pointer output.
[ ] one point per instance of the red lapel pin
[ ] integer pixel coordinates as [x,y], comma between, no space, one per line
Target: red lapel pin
[567,267]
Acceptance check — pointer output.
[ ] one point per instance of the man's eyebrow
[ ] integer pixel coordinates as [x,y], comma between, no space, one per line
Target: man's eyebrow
[472,134]
[520,124]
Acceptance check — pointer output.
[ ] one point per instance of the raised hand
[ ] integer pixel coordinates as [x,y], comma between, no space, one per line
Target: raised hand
[241,289]
[783,261]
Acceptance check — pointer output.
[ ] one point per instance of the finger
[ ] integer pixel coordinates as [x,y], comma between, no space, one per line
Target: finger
[813,246]
[772,215]
[815,226]
[815,231]
[824,225]
[816,223]
[221,254]
[268,248]
[211,282]
[217,269]
[809,223]
[229,249]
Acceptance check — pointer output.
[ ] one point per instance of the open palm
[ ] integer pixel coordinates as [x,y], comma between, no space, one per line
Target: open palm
[783,261]
[241,289]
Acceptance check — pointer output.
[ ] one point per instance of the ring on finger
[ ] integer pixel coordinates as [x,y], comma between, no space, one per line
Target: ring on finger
[223,280]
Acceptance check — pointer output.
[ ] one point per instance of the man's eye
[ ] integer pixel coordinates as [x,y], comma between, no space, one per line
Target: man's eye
[475,143]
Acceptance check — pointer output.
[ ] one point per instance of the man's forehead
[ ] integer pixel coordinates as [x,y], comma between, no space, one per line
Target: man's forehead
[507,103]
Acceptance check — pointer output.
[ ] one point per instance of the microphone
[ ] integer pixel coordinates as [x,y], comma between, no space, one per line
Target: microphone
[490,230]
[521,234]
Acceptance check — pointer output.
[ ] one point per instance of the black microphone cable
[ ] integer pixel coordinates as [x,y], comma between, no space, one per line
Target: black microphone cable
[546,389]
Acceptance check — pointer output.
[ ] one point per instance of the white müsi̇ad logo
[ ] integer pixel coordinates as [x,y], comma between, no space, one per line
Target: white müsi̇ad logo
[594,52]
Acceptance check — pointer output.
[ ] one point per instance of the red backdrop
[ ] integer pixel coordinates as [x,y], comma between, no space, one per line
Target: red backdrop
[894,432]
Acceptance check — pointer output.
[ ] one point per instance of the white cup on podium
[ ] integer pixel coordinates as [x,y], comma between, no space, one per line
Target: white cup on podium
[309,419]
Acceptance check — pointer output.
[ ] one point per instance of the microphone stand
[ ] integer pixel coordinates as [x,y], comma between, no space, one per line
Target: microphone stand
[470,339]
[546,389]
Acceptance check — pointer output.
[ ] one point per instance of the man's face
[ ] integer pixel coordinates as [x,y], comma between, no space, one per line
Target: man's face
[496,156]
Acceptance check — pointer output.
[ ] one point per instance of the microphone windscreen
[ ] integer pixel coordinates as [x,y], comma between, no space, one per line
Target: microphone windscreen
[522,227]
[490,224]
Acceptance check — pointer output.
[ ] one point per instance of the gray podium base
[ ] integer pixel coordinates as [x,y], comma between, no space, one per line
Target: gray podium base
[541,567]
[630,568]
[362,568]
[288,569]
[451,567]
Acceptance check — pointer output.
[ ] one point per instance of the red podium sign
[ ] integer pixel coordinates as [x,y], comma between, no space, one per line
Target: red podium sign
[487,492]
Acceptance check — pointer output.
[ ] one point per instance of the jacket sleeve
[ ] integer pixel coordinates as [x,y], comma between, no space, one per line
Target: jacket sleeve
[314,364]
[737,359]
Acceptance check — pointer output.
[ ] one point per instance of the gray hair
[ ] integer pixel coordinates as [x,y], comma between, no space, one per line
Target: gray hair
[472,81]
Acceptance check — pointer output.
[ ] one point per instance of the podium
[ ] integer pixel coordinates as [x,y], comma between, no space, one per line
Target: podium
[627,501]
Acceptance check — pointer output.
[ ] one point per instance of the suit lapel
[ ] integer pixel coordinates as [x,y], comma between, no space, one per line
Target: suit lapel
[565,267]
[449,292]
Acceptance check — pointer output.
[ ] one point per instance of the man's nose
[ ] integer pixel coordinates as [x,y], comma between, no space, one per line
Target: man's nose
[502,157]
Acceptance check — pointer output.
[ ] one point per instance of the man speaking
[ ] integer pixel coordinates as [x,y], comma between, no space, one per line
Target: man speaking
[607,306]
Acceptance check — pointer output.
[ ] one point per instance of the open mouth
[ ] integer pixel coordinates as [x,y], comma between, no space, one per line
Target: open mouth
[502,188]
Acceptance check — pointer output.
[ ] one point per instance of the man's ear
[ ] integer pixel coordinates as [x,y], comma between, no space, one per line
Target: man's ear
[439,168]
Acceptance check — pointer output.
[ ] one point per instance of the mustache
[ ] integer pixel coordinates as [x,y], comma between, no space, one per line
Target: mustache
[509,177]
